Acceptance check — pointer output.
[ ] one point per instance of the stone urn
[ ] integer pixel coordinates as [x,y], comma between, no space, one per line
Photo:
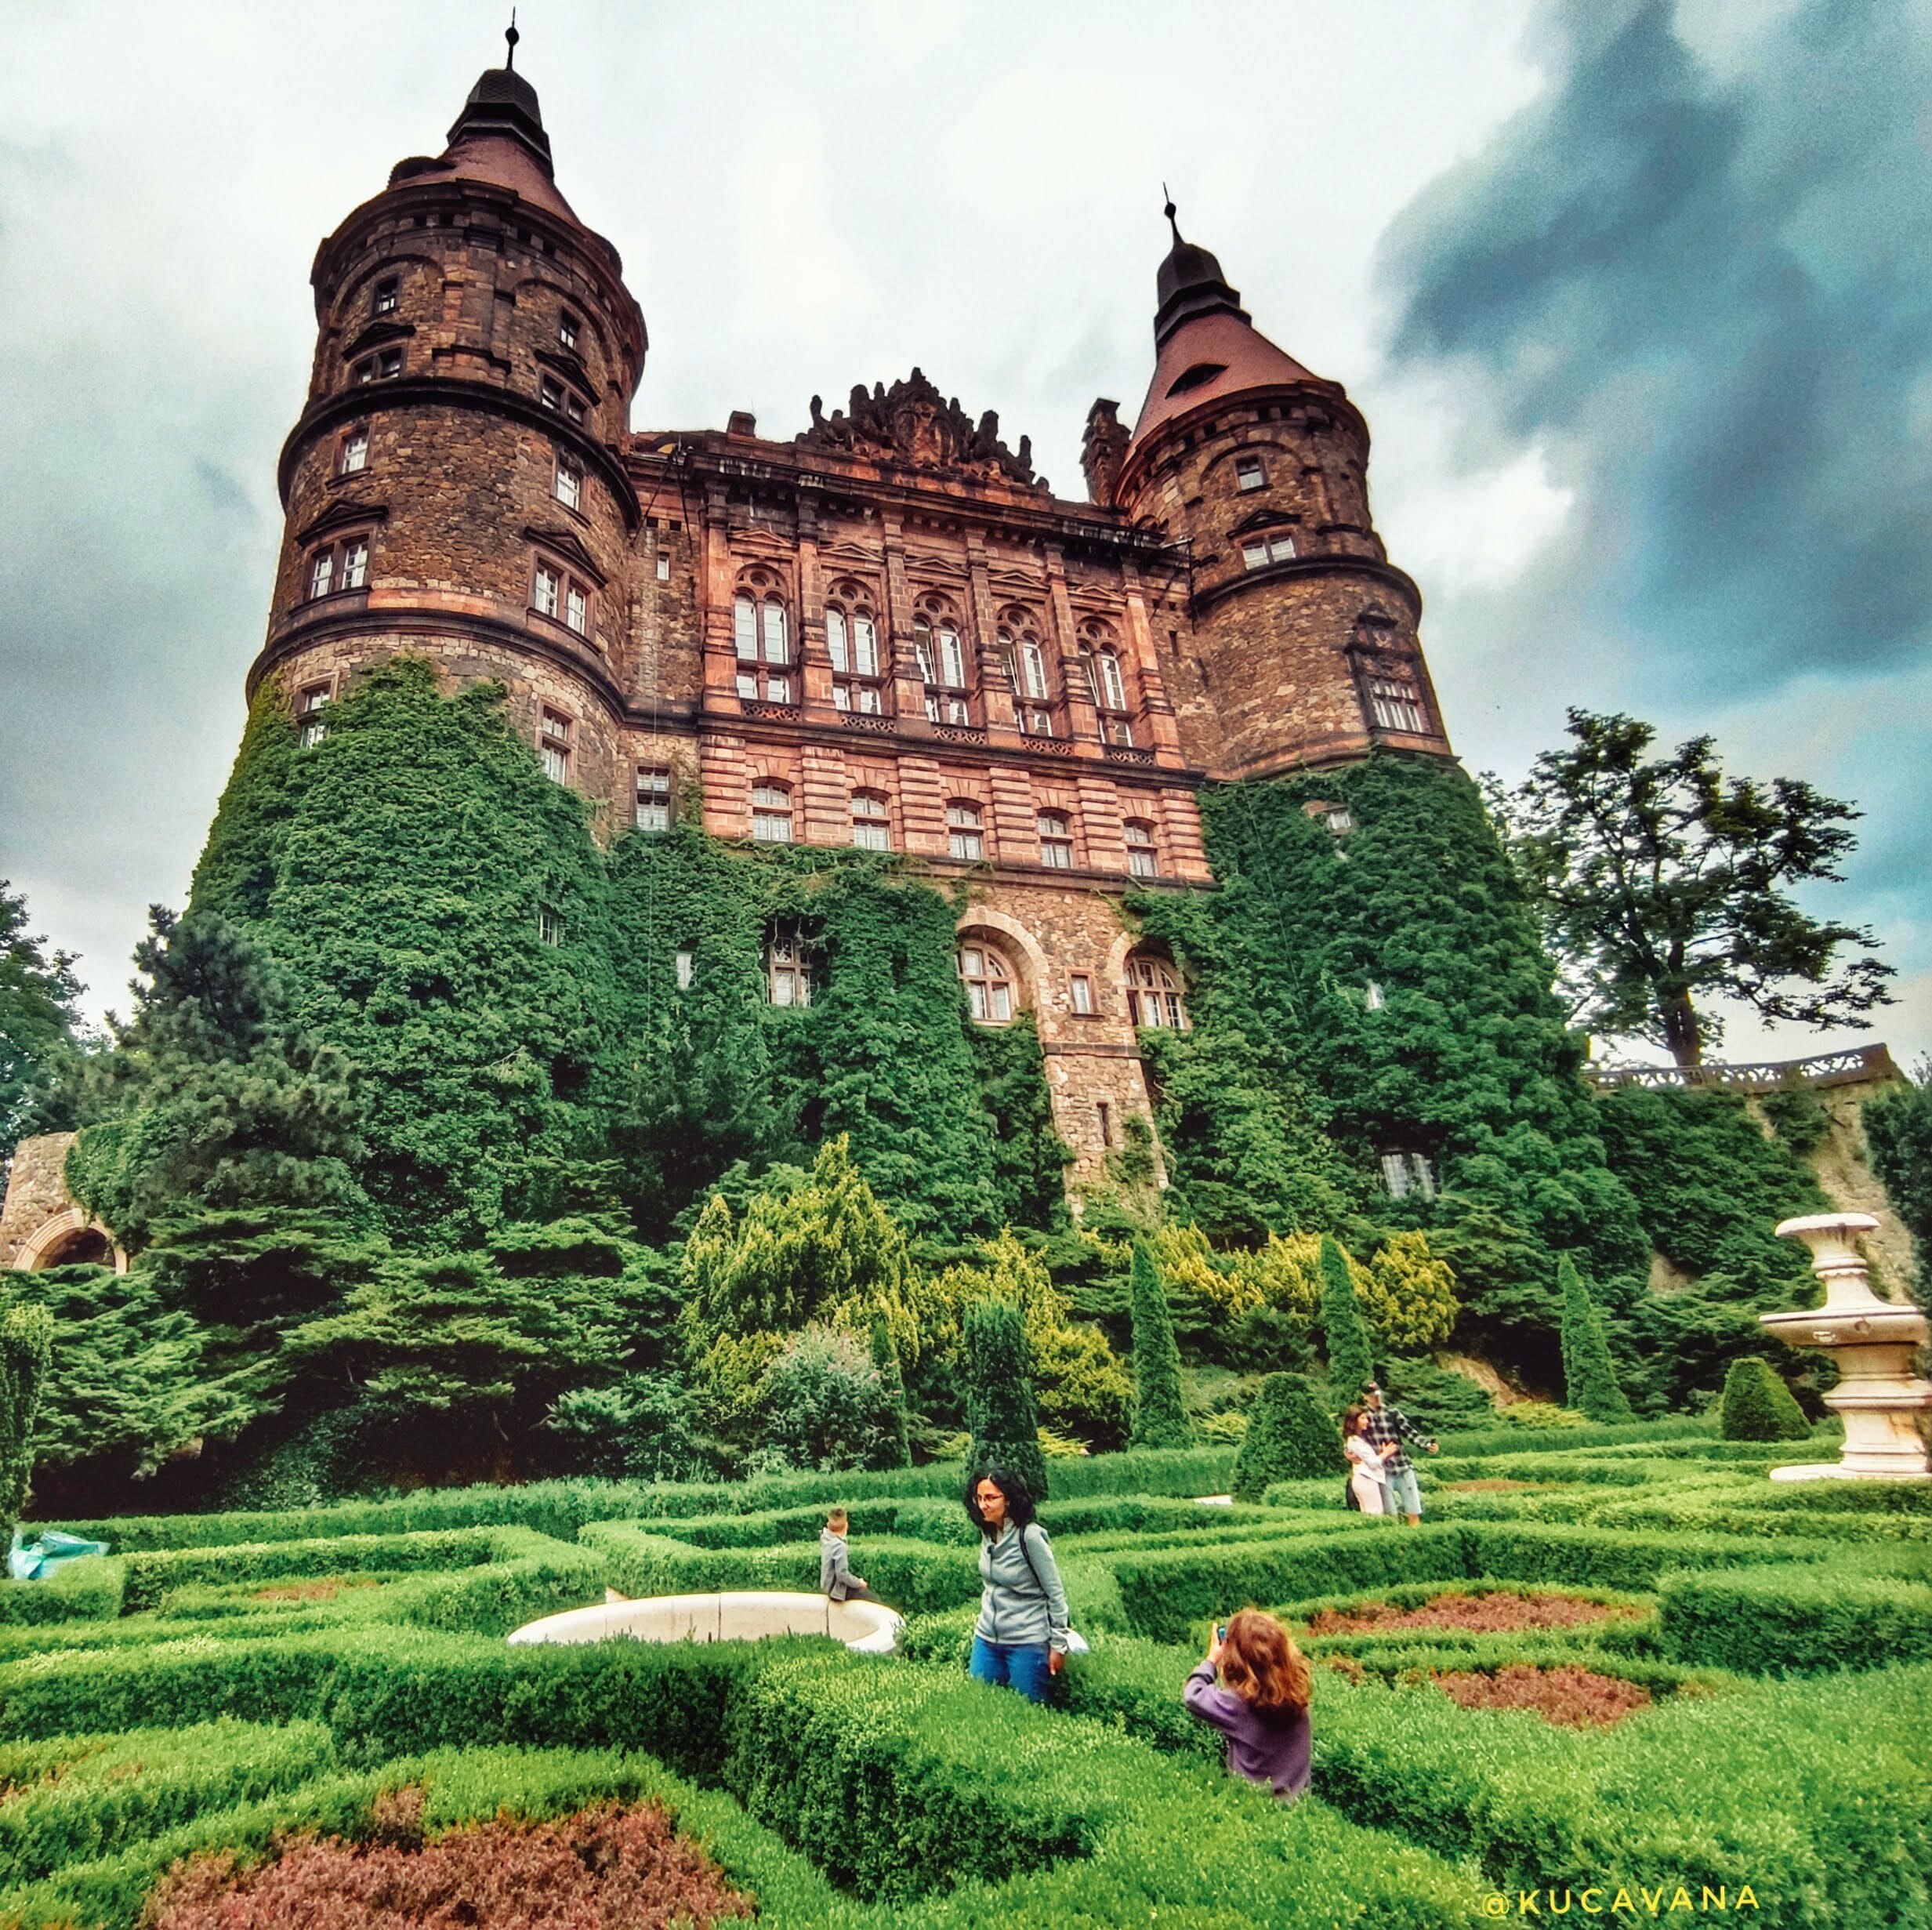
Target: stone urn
[1883,1402]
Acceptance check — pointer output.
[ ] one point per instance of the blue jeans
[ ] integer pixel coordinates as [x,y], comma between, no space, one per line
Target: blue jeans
[1406,1494]
[1020,1665]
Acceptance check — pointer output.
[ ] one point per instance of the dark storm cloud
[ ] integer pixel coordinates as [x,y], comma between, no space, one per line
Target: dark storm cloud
[1705,285]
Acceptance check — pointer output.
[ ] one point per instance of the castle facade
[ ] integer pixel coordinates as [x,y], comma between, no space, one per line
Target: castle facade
[884,632]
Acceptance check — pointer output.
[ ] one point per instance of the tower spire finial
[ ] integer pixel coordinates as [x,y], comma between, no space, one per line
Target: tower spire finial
[511,36]
[1169,211]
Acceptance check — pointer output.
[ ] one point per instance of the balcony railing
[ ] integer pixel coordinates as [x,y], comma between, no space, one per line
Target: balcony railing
[1824,1069]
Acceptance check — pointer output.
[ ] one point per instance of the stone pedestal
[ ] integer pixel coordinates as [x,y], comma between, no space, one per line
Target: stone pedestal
[1883,1402]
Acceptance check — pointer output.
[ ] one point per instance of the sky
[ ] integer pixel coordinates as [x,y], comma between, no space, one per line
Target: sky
[1636,296]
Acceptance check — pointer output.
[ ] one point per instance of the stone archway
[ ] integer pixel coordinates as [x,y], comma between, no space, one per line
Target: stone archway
[69,1238]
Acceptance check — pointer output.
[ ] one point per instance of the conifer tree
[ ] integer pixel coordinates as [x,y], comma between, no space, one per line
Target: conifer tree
[1758,1406]
[1347,1338]
[1590,1376]
[1159,1419]
[1288,1439]
[26,1347]
[1004,1423]
[895,1445]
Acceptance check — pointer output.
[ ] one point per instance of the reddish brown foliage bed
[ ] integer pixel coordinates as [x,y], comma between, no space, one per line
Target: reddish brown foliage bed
[311,1590]
[1490,1484]
[606,1868]
[1568,1694]
[1483,1615]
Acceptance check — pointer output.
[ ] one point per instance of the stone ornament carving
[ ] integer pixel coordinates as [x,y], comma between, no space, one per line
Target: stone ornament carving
[1883,1402]
[911,422]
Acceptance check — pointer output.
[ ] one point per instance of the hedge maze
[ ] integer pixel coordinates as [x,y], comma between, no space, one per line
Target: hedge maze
[1627,1665]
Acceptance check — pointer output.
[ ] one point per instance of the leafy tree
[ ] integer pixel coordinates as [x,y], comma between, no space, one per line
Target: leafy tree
[1661,883]
[1347,1340]
[1758,1406]
[1159,1419]
[894,1449]
[1000,1413]
[1406,1294]
[39,1049]
[827,1406]
[1589,1378]
[1081,1386]
[637,1428]
[26,1348]
[1288,1437]
[1898,1129]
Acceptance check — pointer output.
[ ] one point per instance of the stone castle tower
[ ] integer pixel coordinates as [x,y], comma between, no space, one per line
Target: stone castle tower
[885,632]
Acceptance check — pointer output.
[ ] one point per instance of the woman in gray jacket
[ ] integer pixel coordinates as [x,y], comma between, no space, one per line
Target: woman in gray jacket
[1021,1641]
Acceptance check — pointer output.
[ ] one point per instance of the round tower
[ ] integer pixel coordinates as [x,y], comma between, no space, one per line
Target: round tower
[454,487]
[1302,647]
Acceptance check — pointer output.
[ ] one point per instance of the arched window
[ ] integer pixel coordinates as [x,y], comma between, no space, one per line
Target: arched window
[1154,993]
[772,625]
[1107,683]
[852,643]
[744,628]
[1143,862]
[966,836]
[1020,650]
[1056,840]
[761,636]
[871,826]
[771,811]
[942,660]
[989,983]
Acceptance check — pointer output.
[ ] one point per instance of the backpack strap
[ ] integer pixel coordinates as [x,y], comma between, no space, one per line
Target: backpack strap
[1027,1554]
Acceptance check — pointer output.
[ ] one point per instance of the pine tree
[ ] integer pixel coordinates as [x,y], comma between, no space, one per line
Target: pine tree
[1000,1413]
[895,1445]
[1349,1362]
[1159,1419]
[26,1347]
[1590,1376]
[1288,1439]
[1757,1405]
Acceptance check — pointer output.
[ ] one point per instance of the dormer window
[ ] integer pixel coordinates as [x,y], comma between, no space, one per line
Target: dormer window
[568,326]
[1397,705]
[1258,551]
[570,483]
[387,292]
[338,566]
[1198,377]
[561,596]
[385,365]
[559,400]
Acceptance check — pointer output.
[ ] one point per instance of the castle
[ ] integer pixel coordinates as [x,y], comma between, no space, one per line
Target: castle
[884,632]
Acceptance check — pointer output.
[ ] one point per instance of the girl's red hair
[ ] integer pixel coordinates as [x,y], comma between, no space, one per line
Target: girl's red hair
[1261,1664]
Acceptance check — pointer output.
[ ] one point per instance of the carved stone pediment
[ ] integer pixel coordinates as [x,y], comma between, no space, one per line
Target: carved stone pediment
[911,422]
[568,547]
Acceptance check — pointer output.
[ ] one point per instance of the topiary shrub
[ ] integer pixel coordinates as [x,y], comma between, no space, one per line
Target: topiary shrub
[26,1346]
[1347,1337]
[1589,1377]
[1000,1413]
[1159,1419]
[1758,1406]
[1289,1437]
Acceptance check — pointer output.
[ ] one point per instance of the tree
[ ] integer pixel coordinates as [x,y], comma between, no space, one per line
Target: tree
[1661,883]
[38,1048]
[1589,1378]
[1288,1439]
[1159,1419]
[1000,1414]
[894,1447]
[1349,1362]
[827,1406]
[1898,1129]
[1758,1406]
[1406,1294]
[26,1346]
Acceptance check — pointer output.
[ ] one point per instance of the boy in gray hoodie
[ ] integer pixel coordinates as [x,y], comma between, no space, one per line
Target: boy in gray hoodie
[836,1578]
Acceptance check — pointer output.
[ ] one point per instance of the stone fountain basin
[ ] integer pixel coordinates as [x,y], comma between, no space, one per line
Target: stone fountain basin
[865,1627]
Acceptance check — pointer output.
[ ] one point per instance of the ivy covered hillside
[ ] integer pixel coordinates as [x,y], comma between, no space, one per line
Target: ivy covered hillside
[449,1139]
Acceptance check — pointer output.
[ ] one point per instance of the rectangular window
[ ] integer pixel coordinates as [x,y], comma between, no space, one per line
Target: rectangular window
[865,647]
[871,824]
[355,455]
[835,639]
[567,328]
[386,291]
[956,711]
[1035,663]
[1396,705]
[308,715]
[777,651]
[841,696]
[964,838]
[653,798]
[869,699]
[1280,548]
[355,564]
[1105,1114]
[778,690]
[1372,997]
[1259,550]
[1056,840]
[577,610]
[1141,859]
[550,393]
[664,569]
[1248,473]
[381,368]
[553,746]
[322,573]
[747,685]
[570,483]
[686,965]
[549,925]
[1406,1172]
[1082,987]
[549,590]
[952,659]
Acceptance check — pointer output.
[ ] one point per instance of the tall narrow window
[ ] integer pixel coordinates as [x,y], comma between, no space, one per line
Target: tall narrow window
[988,982]
[1248,473]
[549,925]
[865,647]
[789,966]
[923,650]
[355,453]
[1113,691]
[744,630]
[1104,1115]
[355,571]
[570,483]
[1153,994]
[577,609]
[776,649]
[835,641]
[771,812]
[1056,840]
[1080,985]
[549,594]
[964,836]
[1033,666]
[550,393]
[872,829]
[387,292]
[653,798]
[1372,997]
[566,327]
[686,964]
[553,746]
[1142,860]
[321,572]
[952,658]
[1396,704]
[308,708]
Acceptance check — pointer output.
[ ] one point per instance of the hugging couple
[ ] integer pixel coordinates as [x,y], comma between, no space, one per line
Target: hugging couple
[1381,1477]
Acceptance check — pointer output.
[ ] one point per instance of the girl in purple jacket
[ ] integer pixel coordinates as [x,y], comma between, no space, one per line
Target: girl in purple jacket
[1260,1704]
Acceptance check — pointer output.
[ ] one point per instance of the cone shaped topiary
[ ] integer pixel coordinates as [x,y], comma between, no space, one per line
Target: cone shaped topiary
[1590,1376]
[1159,1419]
[1343,1331]
[1000,1413]
[26,1346]
[1289,1437]
[1758,1406]
[895,1447]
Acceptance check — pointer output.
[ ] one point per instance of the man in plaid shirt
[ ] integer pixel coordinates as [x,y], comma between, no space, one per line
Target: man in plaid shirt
[1382,1425]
